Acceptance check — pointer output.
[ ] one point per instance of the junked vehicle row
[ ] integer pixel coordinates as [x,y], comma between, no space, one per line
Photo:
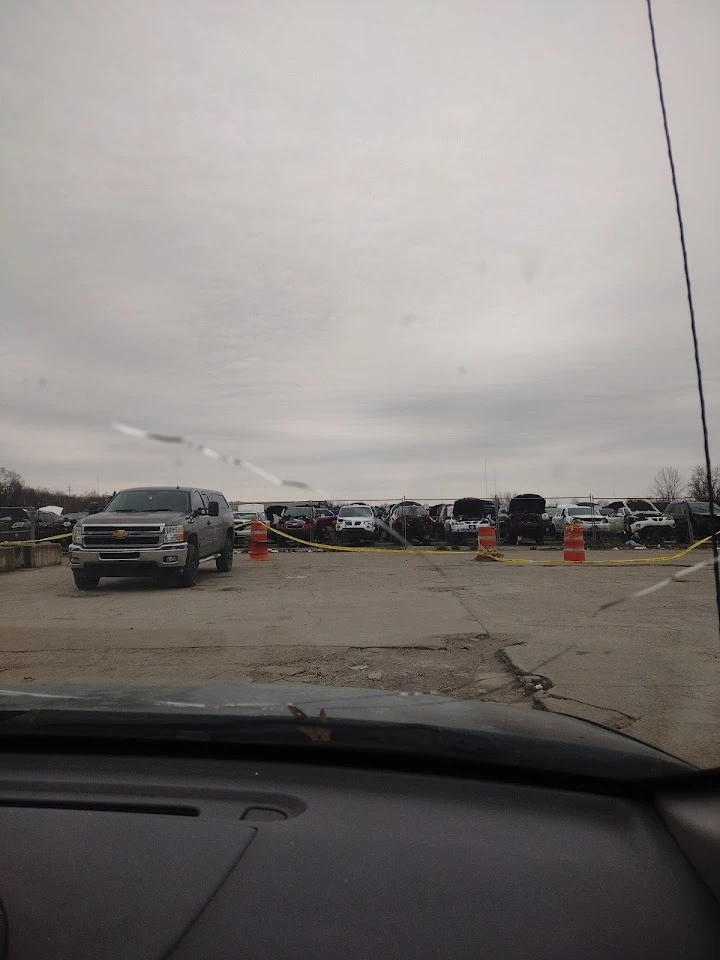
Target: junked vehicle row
[168,532]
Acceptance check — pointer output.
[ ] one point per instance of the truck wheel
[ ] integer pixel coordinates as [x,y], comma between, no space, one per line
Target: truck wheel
[86,581]
[225,561]
[188,574]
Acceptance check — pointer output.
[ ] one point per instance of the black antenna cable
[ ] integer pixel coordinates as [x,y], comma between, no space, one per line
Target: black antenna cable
[691,309]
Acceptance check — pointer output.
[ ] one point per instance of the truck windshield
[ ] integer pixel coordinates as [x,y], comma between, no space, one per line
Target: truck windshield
[149,501]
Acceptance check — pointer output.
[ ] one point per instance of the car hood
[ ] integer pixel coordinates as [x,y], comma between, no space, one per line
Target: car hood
[403,723]
[129,519]
[527,503]
[470,508]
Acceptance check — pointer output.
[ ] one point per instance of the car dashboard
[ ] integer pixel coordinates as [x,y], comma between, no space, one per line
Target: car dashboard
[140,855]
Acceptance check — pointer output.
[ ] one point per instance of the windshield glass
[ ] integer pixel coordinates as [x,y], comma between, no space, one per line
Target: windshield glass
[149,501]
[360,260]
[297,513]
[410,510]
[703,508]
[355,512]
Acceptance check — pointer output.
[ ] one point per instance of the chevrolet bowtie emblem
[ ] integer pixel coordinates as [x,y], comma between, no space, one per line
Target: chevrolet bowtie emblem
[120,534]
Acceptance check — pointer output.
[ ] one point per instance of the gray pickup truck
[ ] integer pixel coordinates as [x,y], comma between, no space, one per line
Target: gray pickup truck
[153,531]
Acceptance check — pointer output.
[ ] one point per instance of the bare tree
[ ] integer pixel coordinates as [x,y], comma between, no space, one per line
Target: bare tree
[11,484]
[697,488]
[14,492]
[668,484]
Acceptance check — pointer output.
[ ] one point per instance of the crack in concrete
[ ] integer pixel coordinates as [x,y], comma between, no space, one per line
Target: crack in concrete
[539,701]
[507,660]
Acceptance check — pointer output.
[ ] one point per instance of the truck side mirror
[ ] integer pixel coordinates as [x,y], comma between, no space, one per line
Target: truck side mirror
[94,507]
[214,509]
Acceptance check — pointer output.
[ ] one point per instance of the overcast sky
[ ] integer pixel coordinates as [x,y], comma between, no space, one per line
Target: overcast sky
[369,245]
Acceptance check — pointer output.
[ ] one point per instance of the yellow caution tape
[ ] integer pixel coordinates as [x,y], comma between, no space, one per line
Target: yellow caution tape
[498,558]
[25,543]
[481,553]
[330,546]
[575,563]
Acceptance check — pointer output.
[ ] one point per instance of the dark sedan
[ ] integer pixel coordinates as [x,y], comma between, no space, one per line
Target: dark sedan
[412,522]
[692,519]
[15,524]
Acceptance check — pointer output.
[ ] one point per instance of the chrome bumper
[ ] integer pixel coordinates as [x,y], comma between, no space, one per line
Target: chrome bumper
[169,556]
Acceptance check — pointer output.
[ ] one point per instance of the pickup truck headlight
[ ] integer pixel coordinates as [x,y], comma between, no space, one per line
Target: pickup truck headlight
[174,534]
[77,533]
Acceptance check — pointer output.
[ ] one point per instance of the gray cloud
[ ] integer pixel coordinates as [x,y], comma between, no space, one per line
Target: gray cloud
[371,246]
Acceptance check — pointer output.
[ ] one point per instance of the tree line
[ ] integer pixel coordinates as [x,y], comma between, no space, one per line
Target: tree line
[669,484]
[14,492]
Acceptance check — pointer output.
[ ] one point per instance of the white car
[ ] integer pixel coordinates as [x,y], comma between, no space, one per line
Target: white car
[588,518]
[461,519]
[242,517]
[642,519]
[356,523]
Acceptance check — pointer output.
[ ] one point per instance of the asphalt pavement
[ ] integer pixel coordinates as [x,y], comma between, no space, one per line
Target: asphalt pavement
[530,635]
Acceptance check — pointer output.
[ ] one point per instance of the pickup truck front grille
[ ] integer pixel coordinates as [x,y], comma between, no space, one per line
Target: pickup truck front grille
[136,535]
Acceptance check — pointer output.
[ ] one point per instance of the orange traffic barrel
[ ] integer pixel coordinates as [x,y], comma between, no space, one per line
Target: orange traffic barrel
[574,543]
[258,540]
[487,543]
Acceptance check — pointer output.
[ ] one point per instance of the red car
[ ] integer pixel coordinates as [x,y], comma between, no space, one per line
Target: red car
[306,522]
[412,522]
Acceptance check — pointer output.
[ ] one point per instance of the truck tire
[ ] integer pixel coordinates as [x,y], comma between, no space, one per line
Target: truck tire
[86,581]
[188,575]
[225,561]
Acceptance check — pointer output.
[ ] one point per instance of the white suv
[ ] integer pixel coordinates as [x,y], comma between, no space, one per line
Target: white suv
[356,523]
[461,519]
[643,519]
[588,518]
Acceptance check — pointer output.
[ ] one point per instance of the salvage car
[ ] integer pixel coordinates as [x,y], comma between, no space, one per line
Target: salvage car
[243,517]
[412,522]
[525,519]
[591,520]
[643,520]
[16,524]
[356,523]
[69,520]
[462,519]
[692,519]
[306,522]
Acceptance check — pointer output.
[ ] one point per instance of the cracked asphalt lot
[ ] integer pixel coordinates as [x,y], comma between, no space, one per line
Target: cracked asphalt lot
[525,635]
